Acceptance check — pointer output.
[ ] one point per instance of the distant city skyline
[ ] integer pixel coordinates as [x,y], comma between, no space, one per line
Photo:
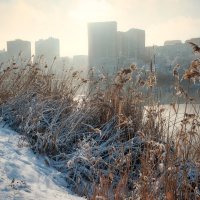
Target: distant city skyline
[56,47]
[67,20]
[86,53]
[49,48]
[129,44]
[110,48]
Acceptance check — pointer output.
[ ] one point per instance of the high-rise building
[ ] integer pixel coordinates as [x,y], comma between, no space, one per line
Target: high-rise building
[131,46]
[172,42]
[111,49]
[167,56]
[18,48]
[102,45]
[49,49]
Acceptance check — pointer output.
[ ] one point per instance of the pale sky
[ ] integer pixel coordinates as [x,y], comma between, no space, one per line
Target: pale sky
[67,20]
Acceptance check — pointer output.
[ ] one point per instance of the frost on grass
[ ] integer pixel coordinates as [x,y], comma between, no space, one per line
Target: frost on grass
[103,145]
[24,175]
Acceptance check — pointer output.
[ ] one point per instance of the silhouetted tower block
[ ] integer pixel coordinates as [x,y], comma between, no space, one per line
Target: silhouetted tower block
[18,48]
[102,45]
[48,49]
[131,45]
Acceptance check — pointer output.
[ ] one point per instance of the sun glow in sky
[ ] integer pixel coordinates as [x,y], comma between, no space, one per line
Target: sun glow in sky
[91,10]
[67,20]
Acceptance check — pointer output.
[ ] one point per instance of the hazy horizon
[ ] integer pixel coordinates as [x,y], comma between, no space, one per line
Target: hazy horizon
[67,20]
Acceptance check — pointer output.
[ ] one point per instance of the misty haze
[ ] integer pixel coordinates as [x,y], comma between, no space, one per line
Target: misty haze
[100,99]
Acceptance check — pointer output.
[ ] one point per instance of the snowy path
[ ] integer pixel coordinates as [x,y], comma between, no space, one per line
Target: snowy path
[25,176]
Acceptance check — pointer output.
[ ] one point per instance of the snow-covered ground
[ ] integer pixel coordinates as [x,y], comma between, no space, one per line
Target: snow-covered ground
[26,176]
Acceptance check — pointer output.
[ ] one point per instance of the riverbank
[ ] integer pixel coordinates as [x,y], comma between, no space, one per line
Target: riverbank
[25,175]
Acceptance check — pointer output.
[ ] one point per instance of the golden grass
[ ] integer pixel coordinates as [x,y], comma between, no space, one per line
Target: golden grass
[116,143]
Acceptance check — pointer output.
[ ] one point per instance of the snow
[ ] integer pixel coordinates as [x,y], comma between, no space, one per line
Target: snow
[25,175]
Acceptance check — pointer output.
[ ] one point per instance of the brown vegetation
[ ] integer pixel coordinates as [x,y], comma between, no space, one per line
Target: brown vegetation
[115,142]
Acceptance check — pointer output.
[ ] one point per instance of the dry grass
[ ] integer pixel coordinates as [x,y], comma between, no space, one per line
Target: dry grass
[117,142]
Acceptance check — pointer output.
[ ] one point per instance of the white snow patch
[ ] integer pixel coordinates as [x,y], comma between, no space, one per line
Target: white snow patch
[26,176]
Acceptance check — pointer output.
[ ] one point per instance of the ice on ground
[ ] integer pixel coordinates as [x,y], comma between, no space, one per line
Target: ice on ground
[26,176]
